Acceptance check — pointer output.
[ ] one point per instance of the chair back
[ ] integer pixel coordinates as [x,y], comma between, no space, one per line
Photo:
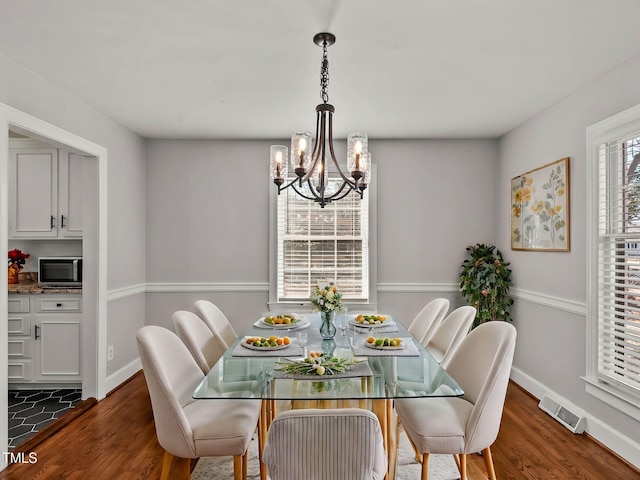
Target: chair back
[217,322]
[198,339]
[171,374]
[481,366]
[325,444]
[428,319]
[450,333]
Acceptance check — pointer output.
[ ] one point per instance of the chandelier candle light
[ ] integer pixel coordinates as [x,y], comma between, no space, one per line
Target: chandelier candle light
[310,164]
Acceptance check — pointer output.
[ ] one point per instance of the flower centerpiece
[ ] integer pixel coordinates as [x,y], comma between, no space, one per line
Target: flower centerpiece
[327,299]
[16,262]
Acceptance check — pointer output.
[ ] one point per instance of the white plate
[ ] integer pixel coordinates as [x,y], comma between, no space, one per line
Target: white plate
[262,349]
[386,323]
[375,347]
[284,326]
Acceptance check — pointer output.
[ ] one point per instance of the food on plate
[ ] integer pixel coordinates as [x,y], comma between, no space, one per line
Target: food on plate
[370,319]
[384,342]
[317,363]
[284,319]
[270,342]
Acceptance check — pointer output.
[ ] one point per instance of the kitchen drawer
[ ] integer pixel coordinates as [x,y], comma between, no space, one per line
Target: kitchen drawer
[59,304]
[18,304]
[19,370]
[19,325]
[19,349]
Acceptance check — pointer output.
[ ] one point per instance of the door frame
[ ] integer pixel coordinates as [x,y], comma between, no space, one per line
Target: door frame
[94,336]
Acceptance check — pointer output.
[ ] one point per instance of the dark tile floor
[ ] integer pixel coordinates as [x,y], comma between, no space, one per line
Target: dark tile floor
[32,410]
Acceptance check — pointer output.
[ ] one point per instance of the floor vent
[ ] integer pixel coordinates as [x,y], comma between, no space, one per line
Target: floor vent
[567,418]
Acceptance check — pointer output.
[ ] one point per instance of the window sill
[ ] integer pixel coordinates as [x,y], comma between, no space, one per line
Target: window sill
[625,403]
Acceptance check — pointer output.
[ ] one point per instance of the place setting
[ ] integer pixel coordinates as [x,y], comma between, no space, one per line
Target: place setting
[268,346]
[373,322]
[284,321]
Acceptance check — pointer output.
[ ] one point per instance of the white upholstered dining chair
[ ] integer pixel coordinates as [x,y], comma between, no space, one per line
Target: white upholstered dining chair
[325,444]
[425,323]
[187,428]
[449,333]
[217,322]
[198,339]
[467,424]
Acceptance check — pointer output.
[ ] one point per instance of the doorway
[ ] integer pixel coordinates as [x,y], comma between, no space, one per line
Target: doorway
[95,235]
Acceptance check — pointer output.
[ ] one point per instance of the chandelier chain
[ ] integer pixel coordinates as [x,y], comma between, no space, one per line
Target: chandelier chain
[324,75]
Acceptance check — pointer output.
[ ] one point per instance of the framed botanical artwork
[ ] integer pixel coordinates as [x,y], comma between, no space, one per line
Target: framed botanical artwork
[540,209]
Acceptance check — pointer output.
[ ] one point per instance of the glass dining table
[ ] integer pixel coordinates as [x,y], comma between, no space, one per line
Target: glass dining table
[373,378]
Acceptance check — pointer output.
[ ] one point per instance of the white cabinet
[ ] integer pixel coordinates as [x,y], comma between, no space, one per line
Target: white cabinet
[70,182]
[19,331]
[44,339]
[45,193]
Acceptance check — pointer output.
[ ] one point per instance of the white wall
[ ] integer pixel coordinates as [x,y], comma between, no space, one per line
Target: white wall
[550,313]
[203,235]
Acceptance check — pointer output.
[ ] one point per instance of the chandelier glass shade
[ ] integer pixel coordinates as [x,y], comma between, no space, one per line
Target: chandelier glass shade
[313,176]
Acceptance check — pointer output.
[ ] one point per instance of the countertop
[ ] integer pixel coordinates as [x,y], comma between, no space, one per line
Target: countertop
[29,285]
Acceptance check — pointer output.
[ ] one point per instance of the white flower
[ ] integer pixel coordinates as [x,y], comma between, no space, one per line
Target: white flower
[323,284]
[329,294]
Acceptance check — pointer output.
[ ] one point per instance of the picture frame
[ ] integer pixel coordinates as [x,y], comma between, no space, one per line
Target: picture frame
[540,209]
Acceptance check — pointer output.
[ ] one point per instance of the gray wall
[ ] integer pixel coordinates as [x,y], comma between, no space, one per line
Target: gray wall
[552,341]
[200,230]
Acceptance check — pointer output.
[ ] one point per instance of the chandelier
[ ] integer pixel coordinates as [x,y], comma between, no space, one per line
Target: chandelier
[309,161]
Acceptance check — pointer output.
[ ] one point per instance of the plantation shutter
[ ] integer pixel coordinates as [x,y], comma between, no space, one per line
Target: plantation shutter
[330,243]
[619,263]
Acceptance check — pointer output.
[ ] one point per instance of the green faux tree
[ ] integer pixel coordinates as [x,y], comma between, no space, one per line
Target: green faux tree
[485,280]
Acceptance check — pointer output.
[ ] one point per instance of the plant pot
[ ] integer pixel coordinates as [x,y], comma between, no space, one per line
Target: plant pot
[13,276]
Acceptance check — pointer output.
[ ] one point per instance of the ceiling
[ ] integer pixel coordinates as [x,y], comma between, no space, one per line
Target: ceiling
[249,69]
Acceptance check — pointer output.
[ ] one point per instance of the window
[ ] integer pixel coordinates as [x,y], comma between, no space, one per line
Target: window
[316,243]
[614,307]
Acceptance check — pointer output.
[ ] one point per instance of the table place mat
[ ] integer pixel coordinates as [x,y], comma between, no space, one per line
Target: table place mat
[301,325]
[294,350]
[360,369]
[410,350]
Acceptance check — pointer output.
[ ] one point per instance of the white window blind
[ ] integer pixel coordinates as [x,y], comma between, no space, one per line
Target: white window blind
[618,357]
[316,243]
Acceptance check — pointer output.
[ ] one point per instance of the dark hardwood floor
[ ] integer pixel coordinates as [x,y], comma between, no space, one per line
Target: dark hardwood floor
[115,439]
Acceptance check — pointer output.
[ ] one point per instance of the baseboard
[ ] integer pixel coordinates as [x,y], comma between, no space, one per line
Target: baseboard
[122,375]
[621,445]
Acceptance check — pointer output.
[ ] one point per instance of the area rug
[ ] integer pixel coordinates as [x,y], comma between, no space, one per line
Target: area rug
[441,467]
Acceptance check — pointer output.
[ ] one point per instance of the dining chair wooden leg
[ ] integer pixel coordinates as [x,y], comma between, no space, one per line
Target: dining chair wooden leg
[181,467]
[488,463]
[425,466]
[245,464]
[463,466]
[237,467]
[166,465]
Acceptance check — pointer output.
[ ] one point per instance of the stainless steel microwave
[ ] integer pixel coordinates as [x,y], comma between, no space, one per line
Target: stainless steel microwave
[60,271]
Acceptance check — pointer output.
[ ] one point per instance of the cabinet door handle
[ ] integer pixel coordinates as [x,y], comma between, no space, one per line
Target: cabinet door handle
[58,304]
[36,328]
[53,219]
[61,221]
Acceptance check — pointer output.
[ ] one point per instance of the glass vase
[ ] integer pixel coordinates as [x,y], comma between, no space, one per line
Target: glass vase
[327,327]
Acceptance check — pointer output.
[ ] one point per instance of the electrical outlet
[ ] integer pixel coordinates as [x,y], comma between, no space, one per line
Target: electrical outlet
[109,353]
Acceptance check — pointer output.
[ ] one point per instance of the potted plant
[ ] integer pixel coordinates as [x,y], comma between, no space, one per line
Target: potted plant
[485,280]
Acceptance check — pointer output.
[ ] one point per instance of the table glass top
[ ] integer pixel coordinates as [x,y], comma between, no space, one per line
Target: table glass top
[373,373]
